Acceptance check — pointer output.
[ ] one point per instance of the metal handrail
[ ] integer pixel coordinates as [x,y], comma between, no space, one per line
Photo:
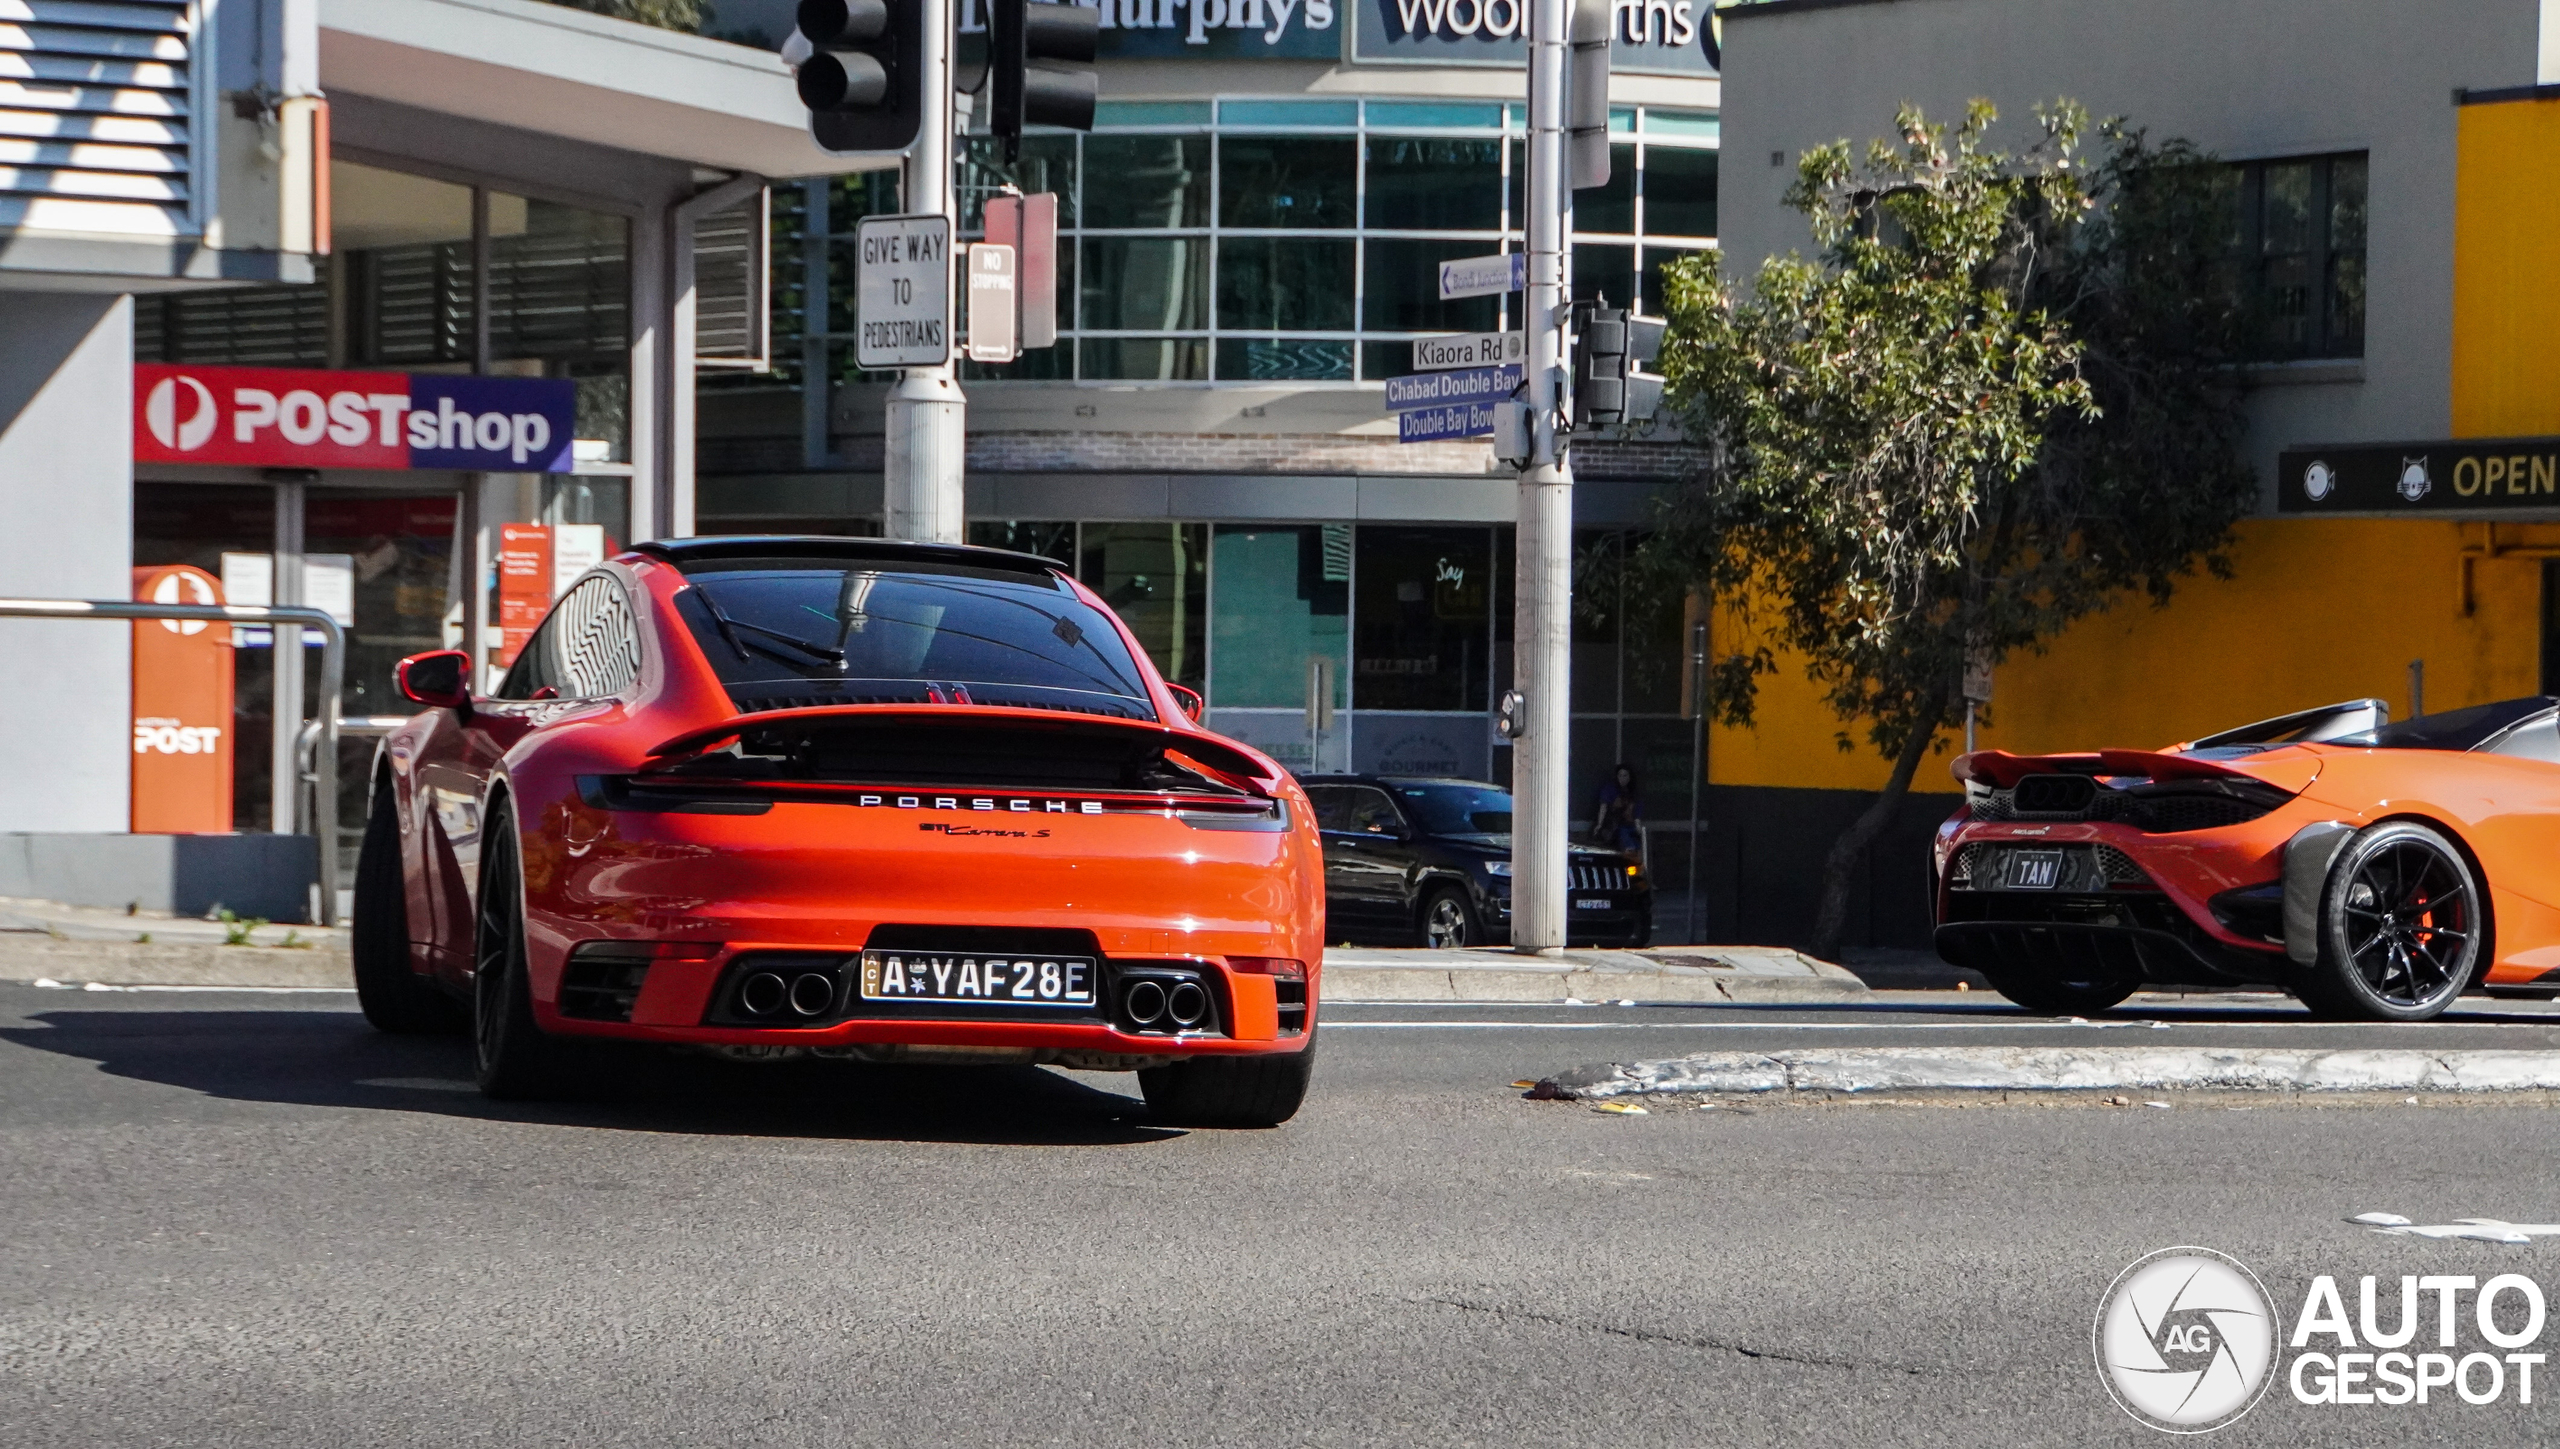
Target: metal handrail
[333,673]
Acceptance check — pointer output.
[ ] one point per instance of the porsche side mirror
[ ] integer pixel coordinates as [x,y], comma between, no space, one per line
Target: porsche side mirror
[1190,700]
[439,680]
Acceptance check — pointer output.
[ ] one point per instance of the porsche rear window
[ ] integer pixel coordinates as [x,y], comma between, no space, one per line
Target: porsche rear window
[790,633]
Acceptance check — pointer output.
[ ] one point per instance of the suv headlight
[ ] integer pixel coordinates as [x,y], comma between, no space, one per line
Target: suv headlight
[1498,867]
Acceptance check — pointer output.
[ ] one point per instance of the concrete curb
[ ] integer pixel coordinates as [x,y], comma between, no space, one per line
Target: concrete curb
[1672,974]
[31,957]
[2034,1069]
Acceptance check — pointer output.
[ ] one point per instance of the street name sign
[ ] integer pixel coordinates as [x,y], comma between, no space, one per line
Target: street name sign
[1477,349]
[1484,276]
[1431,425]
[1441,389]
[904,288]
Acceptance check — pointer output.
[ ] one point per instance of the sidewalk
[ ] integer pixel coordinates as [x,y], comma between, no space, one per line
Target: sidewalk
[45,940]
[1658,974]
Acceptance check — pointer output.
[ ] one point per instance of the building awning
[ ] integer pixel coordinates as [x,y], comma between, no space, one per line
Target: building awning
[550,69]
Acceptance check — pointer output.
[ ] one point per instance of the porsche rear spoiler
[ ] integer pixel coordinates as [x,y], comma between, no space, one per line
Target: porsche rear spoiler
[1201,749]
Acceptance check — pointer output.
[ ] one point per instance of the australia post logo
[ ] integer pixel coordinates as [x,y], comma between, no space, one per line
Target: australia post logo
[308,418]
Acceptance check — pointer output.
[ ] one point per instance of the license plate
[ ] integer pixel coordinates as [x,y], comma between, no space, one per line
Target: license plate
[1589,903]
[2034,870]
[978,979]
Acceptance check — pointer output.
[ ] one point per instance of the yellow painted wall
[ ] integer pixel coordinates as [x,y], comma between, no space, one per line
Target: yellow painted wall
[2506,271]
[2318,610]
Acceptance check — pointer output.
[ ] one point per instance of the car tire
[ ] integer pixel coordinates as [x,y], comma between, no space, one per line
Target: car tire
[2401,927]
[1448,921]
[395,998]
[2074,994]
[514,1060]
[1229,1091]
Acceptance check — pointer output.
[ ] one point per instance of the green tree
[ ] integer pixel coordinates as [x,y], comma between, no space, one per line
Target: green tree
[1999,397]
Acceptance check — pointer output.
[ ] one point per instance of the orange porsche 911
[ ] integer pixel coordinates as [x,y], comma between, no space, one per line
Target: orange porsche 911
[2374,870]
[874,800]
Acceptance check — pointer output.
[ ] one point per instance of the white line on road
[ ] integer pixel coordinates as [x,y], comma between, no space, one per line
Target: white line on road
[52,985]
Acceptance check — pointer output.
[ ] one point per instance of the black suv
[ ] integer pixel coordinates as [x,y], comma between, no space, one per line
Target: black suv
[1427,862]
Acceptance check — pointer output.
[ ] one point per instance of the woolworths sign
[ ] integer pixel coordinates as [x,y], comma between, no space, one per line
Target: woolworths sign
[1654,37]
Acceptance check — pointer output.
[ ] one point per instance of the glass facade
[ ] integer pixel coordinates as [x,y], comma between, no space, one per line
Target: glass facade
[1405,628]
[1262,240]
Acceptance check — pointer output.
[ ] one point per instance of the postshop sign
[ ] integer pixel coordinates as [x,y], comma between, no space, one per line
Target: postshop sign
[280,417]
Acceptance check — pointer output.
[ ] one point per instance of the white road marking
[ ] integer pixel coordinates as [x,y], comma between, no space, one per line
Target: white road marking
[2479,1230]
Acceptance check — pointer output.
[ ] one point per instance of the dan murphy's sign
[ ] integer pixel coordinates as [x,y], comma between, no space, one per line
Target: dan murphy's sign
[2438,479]
[297,417]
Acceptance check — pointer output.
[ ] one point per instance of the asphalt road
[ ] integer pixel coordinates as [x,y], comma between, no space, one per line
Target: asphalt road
[231,1218]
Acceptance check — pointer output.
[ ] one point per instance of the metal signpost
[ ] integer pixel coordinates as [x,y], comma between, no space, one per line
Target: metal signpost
[924,445]
[1543,591]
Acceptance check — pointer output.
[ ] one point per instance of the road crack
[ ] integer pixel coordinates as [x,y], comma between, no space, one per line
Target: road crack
[1647,1335]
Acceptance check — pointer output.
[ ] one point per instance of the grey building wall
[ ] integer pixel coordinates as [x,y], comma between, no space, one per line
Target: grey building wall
[2263,78]
[66,531]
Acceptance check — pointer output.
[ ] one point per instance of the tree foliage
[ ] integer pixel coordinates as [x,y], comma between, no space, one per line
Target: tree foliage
[1998,398]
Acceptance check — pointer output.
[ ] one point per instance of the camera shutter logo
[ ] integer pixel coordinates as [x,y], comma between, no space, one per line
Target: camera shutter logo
[2186,1340]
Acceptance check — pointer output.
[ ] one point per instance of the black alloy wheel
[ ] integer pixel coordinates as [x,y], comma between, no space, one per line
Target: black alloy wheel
[2400,927]
[515,1061]
[395,997]
[1449,920]
[1260,1091]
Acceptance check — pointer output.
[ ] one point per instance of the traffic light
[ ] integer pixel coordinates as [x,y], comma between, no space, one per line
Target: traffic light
[862,78]
[1610,352]
[1021,33]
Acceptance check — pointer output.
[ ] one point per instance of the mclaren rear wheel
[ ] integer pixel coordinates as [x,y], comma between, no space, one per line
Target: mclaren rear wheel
[515,1060]
[1229,1091]
[395,997]
[2065,992]
[2400,927]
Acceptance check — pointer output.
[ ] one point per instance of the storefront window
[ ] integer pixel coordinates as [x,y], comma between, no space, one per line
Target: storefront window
[1424,604]
[1282,597]
[1294,182]
[1679,191]
[560,306]
[1145,283]
[1154,182]
[1155,576]
[1285,284]
[1421,183]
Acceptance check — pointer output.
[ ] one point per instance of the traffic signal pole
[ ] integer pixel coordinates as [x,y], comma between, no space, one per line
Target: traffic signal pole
[1542,648]
[922,461]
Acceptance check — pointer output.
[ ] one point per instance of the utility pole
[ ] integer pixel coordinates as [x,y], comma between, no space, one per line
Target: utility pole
[1542,633]
[923,452]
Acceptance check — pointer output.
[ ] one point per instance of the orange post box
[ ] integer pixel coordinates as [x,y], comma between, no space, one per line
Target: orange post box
[181,709]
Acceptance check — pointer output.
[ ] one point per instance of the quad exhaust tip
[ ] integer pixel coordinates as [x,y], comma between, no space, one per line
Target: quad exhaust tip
[812,992]
[762,994]
[1146,1002]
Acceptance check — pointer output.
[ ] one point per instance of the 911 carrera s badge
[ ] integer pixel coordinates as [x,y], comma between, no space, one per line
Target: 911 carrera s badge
[2317,481]
[2414,481]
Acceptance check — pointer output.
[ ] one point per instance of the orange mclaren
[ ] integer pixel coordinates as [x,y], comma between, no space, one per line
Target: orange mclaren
[883,801]
[2374,870]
